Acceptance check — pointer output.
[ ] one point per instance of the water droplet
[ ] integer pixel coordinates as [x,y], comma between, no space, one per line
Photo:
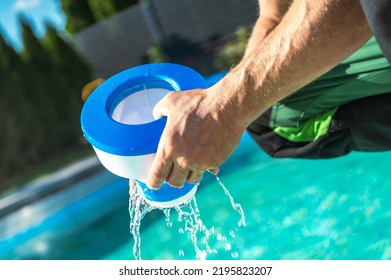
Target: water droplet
[235,255]
[166,212]
[221,237]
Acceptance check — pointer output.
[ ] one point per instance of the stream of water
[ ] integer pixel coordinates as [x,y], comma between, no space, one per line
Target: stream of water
[189,216]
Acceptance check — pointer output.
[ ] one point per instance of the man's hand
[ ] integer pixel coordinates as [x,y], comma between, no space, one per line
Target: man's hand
[200,135]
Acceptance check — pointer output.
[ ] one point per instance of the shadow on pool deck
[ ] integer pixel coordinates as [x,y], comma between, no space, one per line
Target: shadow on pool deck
[50,184]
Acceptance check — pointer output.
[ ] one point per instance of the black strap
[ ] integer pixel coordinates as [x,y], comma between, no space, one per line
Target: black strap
[378,14]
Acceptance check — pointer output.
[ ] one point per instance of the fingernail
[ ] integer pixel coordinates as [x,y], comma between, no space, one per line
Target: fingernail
[177,187]
[214,172]
[154,187]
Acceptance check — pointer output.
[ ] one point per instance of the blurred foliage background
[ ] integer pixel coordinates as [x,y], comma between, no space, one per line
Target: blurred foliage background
[40,99]
[83,13]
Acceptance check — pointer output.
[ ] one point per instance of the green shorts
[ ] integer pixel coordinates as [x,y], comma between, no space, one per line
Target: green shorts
[346,109]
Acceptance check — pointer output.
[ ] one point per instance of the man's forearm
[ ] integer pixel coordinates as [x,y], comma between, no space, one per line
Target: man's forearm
[271,14]
[313,37]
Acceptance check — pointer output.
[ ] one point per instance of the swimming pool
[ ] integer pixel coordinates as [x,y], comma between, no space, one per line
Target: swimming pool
[295,209]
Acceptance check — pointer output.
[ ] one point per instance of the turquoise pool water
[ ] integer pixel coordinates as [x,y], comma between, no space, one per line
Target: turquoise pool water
[295,209]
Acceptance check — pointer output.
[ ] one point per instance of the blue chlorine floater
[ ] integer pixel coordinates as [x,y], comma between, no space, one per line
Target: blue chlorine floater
[117,121]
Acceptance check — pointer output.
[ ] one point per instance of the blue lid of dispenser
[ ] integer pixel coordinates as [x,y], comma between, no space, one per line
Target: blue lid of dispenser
[111,136]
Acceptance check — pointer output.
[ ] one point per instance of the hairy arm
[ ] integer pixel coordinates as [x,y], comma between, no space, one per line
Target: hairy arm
[271,14]
[205,126]
[313,37]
